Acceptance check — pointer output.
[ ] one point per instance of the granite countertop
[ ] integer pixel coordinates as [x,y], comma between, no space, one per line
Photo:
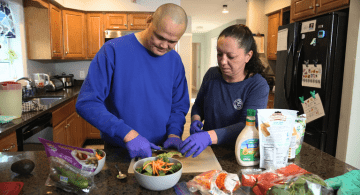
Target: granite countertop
[27,117]
[310,158]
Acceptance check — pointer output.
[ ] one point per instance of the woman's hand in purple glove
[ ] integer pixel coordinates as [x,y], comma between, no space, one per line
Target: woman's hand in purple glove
[140,147]
[195,127]
[172,142]
[195,144]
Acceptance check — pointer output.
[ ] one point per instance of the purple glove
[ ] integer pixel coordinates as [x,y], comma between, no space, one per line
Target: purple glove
[195,144]
[140,147]
[196,127]
[172,142]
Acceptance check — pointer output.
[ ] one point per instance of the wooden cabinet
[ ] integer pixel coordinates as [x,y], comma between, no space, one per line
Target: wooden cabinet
[123,21]
[56,32]
[59,133]
[9,143]
[95,33]
[92,132]
[68,125]
[270,103]
[302,9]
[273,24]
[138,21]
[116,21]
[74,34]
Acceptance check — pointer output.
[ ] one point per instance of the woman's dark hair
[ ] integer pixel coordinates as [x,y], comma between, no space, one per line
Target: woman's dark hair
[246,41]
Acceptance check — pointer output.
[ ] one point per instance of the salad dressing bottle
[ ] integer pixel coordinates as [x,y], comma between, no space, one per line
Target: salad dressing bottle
[247,144]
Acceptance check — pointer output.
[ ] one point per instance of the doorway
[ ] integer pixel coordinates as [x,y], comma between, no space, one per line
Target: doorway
[195,76]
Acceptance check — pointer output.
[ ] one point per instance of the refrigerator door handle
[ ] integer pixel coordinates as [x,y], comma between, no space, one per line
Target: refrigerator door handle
[285,75]
[295,73]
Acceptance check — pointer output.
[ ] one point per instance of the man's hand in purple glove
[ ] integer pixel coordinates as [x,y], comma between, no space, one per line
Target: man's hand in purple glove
[172,142]
[140,147]
[196,127]
[195,144]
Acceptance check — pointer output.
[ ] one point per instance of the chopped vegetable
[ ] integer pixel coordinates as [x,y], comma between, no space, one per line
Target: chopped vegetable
[159,167]
[170,154]
[99,154]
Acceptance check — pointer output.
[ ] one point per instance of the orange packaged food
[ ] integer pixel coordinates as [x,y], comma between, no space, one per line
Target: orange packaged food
[214,182]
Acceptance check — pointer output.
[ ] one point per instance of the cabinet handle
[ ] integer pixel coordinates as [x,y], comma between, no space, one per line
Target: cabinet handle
[131,24]
[311,7]
[66,52]
[8,149]
[317,5]
[125,24]
[54,51]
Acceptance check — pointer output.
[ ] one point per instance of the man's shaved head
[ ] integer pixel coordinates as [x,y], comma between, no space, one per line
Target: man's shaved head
[173,11]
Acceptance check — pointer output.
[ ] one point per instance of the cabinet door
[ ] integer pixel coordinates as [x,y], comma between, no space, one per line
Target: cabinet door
[116,21]
[95,33]
[273,25]
[92,132]
[71,130]
[59,133]
[56,32]
[138,21]
[327,5]
[9,143]
[302,8]
[74,34]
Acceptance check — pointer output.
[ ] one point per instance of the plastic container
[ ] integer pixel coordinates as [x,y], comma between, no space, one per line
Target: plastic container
[247,143]
[11,99]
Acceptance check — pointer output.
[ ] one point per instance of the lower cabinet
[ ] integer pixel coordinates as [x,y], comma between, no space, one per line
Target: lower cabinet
[92,132]
[70,130]
[9,143]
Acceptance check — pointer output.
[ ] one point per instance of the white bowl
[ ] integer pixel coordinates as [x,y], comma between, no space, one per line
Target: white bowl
[157,183]
[101,164]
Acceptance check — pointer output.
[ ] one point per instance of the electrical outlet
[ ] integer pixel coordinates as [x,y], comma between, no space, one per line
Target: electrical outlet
[82,74]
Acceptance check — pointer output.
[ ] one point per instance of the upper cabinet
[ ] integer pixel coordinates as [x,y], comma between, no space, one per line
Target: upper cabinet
[302,9]
[74,28]
[138,21]
[95,33]
[116,21]
[123,21]
[273,25]
[56,32]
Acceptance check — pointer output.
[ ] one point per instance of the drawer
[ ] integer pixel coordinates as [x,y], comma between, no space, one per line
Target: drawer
[62,113]
[9,143]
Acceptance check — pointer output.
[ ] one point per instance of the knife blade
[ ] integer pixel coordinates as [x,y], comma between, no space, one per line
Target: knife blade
[161,151]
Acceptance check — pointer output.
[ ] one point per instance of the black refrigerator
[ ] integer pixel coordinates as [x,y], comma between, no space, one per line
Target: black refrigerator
[309,43]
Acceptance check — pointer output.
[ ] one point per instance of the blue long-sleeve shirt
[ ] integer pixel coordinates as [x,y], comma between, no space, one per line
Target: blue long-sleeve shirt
[127,87]
[223,106]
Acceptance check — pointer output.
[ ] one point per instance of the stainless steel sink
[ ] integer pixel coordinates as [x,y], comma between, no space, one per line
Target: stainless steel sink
[46,100]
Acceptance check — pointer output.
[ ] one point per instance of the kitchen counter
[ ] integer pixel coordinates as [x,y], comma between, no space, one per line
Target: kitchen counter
[27,117]
[310,158]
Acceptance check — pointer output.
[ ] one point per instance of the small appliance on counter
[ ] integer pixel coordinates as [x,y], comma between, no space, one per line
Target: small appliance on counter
[67,80]
[54,84]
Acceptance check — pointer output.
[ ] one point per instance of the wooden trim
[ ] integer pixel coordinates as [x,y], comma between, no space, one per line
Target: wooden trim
[37,3]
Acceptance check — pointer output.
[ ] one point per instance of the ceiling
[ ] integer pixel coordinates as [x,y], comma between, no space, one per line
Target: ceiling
[207,13]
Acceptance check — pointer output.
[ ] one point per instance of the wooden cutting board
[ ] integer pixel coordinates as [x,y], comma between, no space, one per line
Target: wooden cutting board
[206,161]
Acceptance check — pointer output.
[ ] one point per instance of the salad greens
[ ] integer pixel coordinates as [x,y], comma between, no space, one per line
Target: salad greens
[162,167]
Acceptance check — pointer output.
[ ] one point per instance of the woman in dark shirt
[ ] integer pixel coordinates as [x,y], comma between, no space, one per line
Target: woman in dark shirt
[227,91]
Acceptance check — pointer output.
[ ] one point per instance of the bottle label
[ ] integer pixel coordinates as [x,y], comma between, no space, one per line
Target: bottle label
[250,122]
[249,150]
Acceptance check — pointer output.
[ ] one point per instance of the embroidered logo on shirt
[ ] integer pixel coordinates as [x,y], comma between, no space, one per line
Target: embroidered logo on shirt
[238,104]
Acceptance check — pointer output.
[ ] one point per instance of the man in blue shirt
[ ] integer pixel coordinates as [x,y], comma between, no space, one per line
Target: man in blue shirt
[136,91]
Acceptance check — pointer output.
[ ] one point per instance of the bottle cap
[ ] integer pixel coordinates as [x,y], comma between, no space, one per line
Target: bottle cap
[251,112]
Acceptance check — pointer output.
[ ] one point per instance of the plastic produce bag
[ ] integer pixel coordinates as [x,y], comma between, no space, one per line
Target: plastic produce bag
[297,137]
[214,182]
[71,168]
[291,179]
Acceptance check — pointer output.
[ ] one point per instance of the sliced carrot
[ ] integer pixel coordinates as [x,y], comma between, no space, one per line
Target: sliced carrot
[98,156]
